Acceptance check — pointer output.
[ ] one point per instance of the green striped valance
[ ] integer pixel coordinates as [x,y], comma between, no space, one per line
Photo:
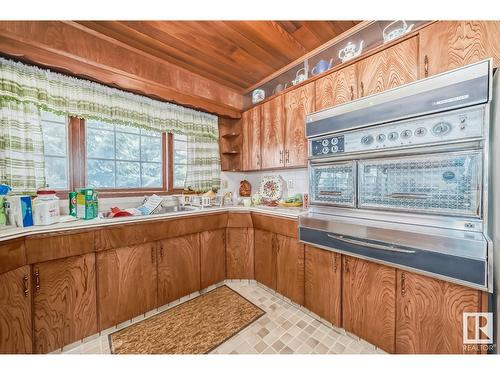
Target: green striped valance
[71,96]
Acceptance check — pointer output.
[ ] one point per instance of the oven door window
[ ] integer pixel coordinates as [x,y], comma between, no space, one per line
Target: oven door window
[333,184]
[447,183]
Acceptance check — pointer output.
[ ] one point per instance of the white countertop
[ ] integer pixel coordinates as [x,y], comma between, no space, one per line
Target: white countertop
[11,232]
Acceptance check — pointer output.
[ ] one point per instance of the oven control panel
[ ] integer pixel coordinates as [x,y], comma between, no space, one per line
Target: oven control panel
[327,145]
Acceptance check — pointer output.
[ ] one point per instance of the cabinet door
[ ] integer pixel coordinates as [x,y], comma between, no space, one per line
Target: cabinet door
[251,139]
[212,257]
[265,258]
[323,283]
[64,301]
[290,266]
[336,88]
[126,283]
[239,253]
[15,312]
[369,301]
[430,314]
[298,103]
[178,268]
[389,68]
[272,134]
[447,45]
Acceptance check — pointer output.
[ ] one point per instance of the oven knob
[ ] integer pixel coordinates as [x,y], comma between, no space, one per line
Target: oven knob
[381,138]
[325,142]
[441,128]
[406,134]
[325,150]
[335,148]
[420,132]
[367,139]
[393,136]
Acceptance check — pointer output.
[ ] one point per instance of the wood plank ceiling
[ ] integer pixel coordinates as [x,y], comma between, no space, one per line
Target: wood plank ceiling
[237,54]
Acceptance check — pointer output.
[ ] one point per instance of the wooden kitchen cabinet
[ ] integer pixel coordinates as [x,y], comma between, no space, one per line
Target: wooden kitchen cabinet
[392,67]
[251,158]
[15,312]
[178,268]
[126,283]
[272,134]
[369,301]
[336,88]
[239,253]
[64,301]
[265,258]
[447,45]
[212,257]
[430,314]
[298,103]
[323,284]
[290,268]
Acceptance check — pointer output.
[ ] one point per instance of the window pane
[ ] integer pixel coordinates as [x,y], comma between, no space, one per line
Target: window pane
[151,174]
[151,149]
[100,144]
[127,146]
[56,172]
[179,175]
[128,174]
[100,173]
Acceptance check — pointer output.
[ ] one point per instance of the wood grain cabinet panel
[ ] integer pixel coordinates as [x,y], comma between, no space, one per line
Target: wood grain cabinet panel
[430,314]
[298,103]
[64,301]
[336,88]
[265,257]
[323,283]
[178,268]
[389,68]
[272,134]
[251,159]
[369,301]
[212,257]
[15,312]
[239,253]
[126,283]
[290,268]
[447,45]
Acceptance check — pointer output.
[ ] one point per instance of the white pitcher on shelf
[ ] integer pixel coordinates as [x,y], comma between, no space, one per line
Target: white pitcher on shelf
[350,51]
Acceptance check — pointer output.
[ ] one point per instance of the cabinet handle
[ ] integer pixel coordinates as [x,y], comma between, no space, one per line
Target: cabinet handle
[37,280]
[287,156]
[426,66]
[352,92]
[281,156]
[362,89]
[25,285]
[403,284]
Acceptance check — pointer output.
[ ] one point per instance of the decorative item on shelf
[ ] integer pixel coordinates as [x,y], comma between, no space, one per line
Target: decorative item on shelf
[271,188]
[258,95]
[279,87]
[350,51]
[300,76]
[395,30]
[321,66]
[245,188]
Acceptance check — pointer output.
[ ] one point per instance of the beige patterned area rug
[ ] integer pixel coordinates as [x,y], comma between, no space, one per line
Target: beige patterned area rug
[193,327]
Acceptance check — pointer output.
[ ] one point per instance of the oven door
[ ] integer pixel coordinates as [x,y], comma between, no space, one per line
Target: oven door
[444,183]
[333,184]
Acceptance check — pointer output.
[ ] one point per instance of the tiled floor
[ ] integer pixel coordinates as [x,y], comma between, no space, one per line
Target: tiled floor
[285,329]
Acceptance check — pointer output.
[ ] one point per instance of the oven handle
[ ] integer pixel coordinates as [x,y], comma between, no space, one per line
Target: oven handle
[375,246]
[409,195]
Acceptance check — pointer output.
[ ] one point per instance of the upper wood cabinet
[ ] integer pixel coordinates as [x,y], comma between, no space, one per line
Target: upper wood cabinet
[15,312]
[178,268]
[290,268]
[272,134]
[127,283]
[323,284]
[251,158]
[389,68]
[336,88]
[64,301]
[448,45]
[265,258]
[298,103]
[239,253]
[212,257]
[430,314]
[369,301]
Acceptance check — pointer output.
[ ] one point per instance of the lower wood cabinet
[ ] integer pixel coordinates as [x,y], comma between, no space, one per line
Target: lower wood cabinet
[127,283]
[212,257]
[369,301]
[178,267]
[15,312]
[239,253]
[323,284]
[265,258]
[64,301]
[290,268]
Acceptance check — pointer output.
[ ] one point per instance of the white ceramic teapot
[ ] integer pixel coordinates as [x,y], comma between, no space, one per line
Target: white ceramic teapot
[350,51]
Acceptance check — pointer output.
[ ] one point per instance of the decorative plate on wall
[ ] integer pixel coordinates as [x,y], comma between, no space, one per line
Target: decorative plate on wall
[271,188]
